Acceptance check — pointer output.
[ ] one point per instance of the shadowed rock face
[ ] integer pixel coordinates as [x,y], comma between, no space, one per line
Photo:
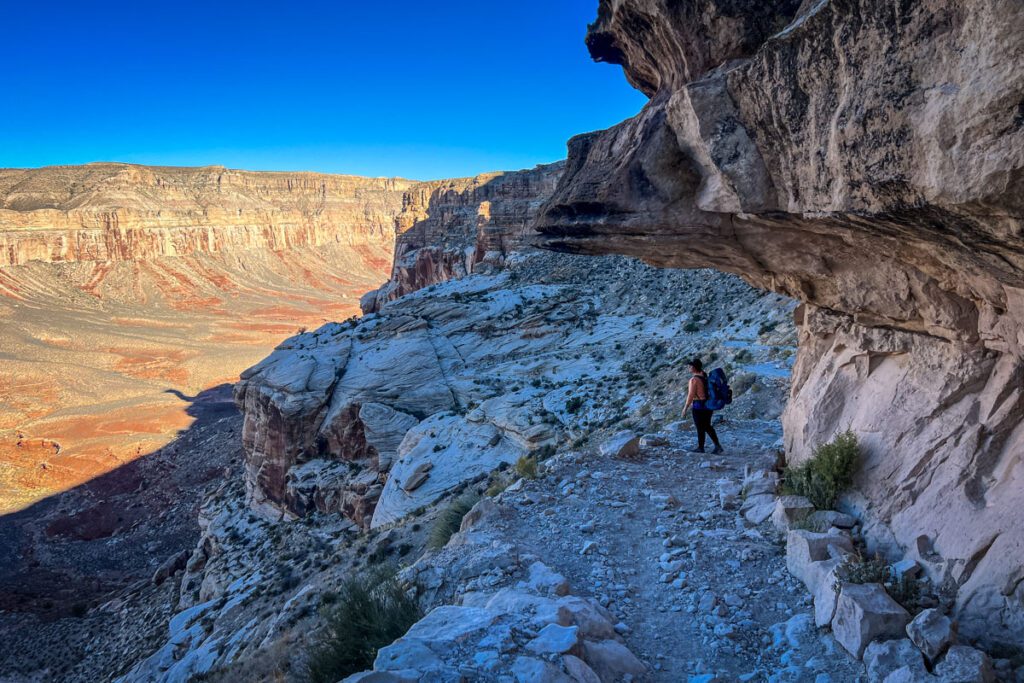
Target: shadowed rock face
[867,158]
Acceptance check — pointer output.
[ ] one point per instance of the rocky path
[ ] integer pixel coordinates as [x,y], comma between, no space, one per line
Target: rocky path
[699,590]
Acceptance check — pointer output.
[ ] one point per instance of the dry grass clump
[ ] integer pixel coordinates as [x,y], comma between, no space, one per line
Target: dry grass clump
[450,519]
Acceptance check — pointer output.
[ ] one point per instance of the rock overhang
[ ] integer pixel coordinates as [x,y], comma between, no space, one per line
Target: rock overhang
[867,159]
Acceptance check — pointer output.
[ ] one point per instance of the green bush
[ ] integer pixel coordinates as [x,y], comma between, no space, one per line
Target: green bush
[526,467]
[691,327]
[372,611]
[827,473]
[573,405]
[450,519]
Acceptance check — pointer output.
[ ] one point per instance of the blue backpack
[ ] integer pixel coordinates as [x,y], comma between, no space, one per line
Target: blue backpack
[719,392]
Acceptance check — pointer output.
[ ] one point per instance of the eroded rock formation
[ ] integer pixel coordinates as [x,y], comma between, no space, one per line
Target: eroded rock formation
[446,227]
[117,212]
[866,158]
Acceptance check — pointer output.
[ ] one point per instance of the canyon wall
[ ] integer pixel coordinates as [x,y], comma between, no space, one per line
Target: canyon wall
[867,158]
[116,212]
[446,227]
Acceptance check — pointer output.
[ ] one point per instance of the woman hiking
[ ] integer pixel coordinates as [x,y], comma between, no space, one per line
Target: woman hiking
[695,398]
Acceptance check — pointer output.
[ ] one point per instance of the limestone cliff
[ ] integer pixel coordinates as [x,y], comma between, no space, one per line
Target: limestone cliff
[115,212]
[446,227]
[867,158]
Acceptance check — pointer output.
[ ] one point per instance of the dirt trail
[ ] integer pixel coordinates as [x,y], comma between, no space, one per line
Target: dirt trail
[648,519]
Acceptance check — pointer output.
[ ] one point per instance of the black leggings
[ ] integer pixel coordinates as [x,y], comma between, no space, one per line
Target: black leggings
[702,420]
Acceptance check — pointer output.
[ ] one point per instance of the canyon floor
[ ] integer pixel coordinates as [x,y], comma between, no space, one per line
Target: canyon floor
[100,362]
[608,332]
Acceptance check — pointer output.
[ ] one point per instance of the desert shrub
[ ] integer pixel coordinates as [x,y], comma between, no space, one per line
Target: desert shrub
[379,555]
[526,467]
[743,356]
[448,522]
[743,382]
[818,526]
[856,570]
[545,452]
[827,473]
[908,592]
[691,327]
[497,484]
[372,611]
[573,405]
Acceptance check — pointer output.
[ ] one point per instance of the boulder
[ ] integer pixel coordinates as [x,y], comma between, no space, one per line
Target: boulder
[882,658]
[484,508]
[728,493]
[822,576]
[595,622]
[907,674]
[452,451]
[419,474]
[933,632]
[761,482]
[611,660]
[823,519]
[545,580]
[531,670]
[404,654]
[171,566]
[865,612]
[451,624]
[578,670]
[554,639]
[653,441]
[624,444]
[805,547]
[906,569]
[964,664]
[759,507]
[790,509]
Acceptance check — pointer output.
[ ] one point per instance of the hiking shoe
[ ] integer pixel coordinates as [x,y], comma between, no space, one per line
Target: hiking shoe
[718,450]
[698,449]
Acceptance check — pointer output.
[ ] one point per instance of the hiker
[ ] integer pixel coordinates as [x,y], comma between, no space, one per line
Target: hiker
[696,397]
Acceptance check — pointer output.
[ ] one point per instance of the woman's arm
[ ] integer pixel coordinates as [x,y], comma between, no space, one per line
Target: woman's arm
[690,396]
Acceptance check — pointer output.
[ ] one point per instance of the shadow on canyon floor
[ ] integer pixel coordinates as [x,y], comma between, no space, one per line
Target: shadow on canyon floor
[80,545]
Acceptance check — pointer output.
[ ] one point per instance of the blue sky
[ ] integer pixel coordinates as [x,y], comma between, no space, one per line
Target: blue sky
[409,88]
